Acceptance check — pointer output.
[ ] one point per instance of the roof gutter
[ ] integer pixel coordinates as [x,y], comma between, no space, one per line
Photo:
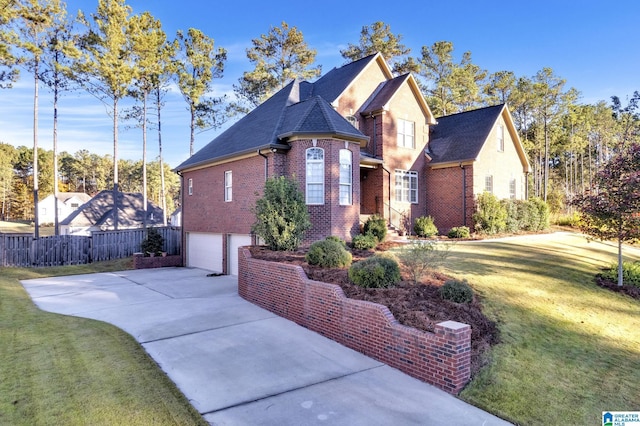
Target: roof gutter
[223,158]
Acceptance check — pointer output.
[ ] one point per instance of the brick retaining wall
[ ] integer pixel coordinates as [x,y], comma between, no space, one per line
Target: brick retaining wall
[441,358]
[141,262]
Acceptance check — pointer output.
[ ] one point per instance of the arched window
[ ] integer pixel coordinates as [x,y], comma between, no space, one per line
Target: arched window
[346,174]
[315,176]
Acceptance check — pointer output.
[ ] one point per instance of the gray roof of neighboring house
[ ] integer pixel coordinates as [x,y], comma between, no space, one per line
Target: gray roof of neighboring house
[460,137]
[98,211]
[299,108]
[65,196]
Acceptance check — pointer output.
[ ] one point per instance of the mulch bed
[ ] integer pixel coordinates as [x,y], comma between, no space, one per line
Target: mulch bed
[629,290]
[414,305]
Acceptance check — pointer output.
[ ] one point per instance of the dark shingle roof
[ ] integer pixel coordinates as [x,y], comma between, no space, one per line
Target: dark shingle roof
[460,137]
[99,211]
[300,107]
[383,94]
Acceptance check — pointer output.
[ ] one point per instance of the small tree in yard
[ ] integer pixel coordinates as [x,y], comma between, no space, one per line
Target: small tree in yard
[281,214]
[612,210]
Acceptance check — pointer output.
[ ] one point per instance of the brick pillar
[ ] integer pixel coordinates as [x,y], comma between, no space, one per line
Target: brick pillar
[455,339]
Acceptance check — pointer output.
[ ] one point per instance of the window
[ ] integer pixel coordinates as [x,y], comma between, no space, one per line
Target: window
[345,177]
[500,138]
[512,189]
[406,132]
[74,205]
[315,176]
[190,185]
[406,186]
[227,185]
[488,183]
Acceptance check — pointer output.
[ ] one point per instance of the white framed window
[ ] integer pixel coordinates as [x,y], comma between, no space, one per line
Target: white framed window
[500,137]
[228,187]
[406,133]
[406,186]
[315,176]
[512,188]
[346,177]
[488,183]
[190,186]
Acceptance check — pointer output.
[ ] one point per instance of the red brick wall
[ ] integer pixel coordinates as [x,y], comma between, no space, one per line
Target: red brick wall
[444,197]
[441,358]
[141,262]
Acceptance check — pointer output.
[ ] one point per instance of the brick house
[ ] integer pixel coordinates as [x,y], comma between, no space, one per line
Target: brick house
[360,141]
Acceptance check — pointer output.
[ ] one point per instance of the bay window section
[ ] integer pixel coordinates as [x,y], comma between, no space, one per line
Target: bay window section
[346,174]
[315,176]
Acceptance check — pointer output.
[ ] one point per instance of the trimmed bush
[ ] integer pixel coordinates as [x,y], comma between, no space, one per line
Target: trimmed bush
[459,232]
[364,242]
[328,253]
[281,214]
[375,272]
[424,227]
[491,216]
[456,291]
[377,226]
[337,239]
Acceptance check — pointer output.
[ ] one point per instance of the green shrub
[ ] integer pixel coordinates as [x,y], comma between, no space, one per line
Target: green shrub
[491,216]
[364,242]
[424,227]
[513,221]
[456,291]
[281,214]
[542,213]
[630,273]
[459,232]
[376,226]
[328,253]
[375,272]
[337,239]
[153,242]
[421,256]
[572,220]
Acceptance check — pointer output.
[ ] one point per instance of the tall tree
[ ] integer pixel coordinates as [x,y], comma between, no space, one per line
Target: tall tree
[612,209]
[278,57]
[35,21]
[499,88]
[149,54]
[628,118]
[8,155]
[378,37]
[109,66]
[197,63]
[8,13]
[438,68]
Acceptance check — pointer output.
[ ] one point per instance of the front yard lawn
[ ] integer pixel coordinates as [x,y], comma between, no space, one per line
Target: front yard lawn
[57,369]
[570,349]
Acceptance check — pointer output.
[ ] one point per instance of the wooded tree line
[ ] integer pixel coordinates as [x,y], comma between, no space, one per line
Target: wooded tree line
[114,55]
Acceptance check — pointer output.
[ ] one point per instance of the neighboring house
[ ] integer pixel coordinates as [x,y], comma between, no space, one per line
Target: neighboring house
[68,202]
[358,142]
[97,214]
[176,217]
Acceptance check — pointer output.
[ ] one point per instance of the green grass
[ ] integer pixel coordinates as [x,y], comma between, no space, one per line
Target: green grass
[57,369]
[24,228]
[570,349]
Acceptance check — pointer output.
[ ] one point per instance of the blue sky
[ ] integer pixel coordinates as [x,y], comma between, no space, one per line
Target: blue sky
[594,45]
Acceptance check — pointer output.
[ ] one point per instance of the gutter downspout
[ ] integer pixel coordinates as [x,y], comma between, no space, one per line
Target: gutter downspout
[266,165]
[182,210]
[464,195]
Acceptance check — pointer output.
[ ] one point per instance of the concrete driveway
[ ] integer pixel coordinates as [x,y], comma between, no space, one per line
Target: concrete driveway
[239,364]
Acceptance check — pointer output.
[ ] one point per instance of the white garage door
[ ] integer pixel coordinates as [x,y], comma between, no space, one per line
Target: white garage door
[236,241]
[204,251]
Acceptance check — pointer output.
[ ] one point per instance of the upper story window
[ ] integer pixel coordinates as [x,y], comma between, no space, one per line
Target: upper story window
[500,138]
[406,186]
[228,185]
[488,183]
[74,205]
[354,121]
[315,176]
[406,133]
[190,186]
[346,178]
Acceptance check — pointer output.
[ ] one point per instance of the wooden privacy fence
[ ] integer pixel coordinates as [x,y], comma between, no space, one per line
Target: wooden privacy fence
[25,251]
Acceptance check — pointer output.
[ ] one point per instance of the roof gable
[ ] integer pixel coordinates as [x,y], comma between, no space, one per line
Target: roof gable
[459,138]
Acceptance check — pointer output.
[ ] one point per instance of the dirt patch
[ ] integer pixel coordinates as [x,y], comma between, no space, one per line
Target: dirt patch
[419,306]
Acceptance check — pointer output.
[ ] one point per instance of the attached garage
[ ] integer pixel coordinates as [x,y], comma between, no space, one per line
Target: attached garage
[236,241]
[204,250]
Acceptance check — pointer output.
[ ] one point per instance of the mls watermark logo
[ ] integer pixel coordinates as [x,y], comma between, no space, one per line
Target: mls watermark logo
[621,418]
